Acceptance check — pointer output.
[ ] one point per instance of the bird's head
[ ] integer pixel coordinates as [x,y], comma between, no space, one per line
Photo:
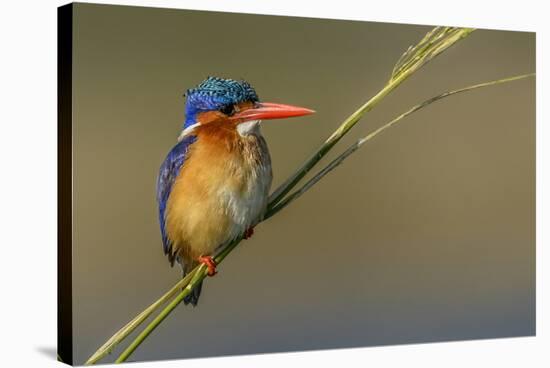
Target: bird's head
[231,103]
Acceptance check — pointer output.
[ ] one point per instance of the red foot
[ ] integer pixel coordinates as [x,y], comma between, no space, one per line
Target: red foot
[210,263]
[248,233]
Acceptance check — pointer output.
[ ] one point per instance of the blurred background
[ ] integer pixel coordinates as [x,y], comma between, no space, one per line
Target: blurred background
[426,234]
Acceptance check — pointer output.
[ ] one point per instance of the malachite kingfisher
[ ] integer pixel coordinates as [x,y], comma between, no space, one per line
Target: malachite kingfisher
[213,185]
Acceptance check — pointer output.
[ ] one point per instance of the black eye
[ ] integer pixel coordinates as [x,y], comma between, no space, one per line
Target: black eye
[228,110]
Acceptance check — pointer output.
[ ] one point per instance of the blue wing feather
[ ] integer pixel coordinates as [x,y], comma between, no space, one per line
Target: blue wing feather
[169,171]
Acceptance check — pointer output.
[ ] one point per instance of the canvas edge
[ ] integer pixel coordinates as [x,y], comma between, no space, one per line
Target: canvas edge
[64,183]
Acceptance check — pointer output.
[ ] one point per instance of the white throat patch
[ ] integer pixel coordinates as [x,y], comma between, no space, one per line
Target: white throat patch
[249,127]
[187,131]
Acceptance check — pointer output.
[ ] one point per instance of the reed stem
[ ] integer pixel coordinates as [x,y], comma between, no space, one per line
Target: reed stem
[354,147]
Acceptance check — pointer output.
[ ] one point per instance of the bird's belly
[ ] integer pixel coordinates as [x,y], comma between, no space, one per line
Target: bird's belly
[244,207]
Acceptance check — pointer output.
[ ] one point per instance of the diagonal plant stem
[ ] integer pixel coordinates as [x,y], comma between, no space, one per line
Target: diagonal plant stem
[202,271]
[354,147]
[199,274]
[106,348]
[434,43]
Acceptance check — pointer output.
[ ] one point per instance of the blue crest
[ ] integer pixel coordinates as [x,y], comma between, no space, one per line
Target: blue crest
[214,94]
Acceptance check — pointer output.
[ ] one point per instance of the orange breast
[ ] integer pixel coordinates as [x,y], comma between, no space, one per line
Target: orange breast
[219,192]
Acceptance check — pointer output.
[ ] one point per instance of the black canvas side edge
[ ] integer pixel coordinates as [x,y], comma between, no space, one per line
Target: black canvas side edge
[64,183]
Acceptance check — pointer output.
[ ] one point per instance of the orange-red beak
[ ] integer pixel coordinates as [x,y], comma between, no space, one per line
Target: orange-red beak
[268,110]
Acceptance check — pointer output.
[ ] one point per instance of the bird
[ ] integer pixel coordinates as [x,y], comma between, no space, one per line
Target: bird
[214,183]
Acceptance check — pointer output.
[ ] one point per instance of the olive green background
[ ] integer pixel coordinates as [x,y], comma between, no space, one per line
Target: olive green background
[426,234]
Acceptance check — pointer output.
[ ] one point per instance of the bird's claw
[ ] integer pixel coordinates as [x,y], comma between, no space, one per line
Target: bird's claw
[248,233]
[210,263]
